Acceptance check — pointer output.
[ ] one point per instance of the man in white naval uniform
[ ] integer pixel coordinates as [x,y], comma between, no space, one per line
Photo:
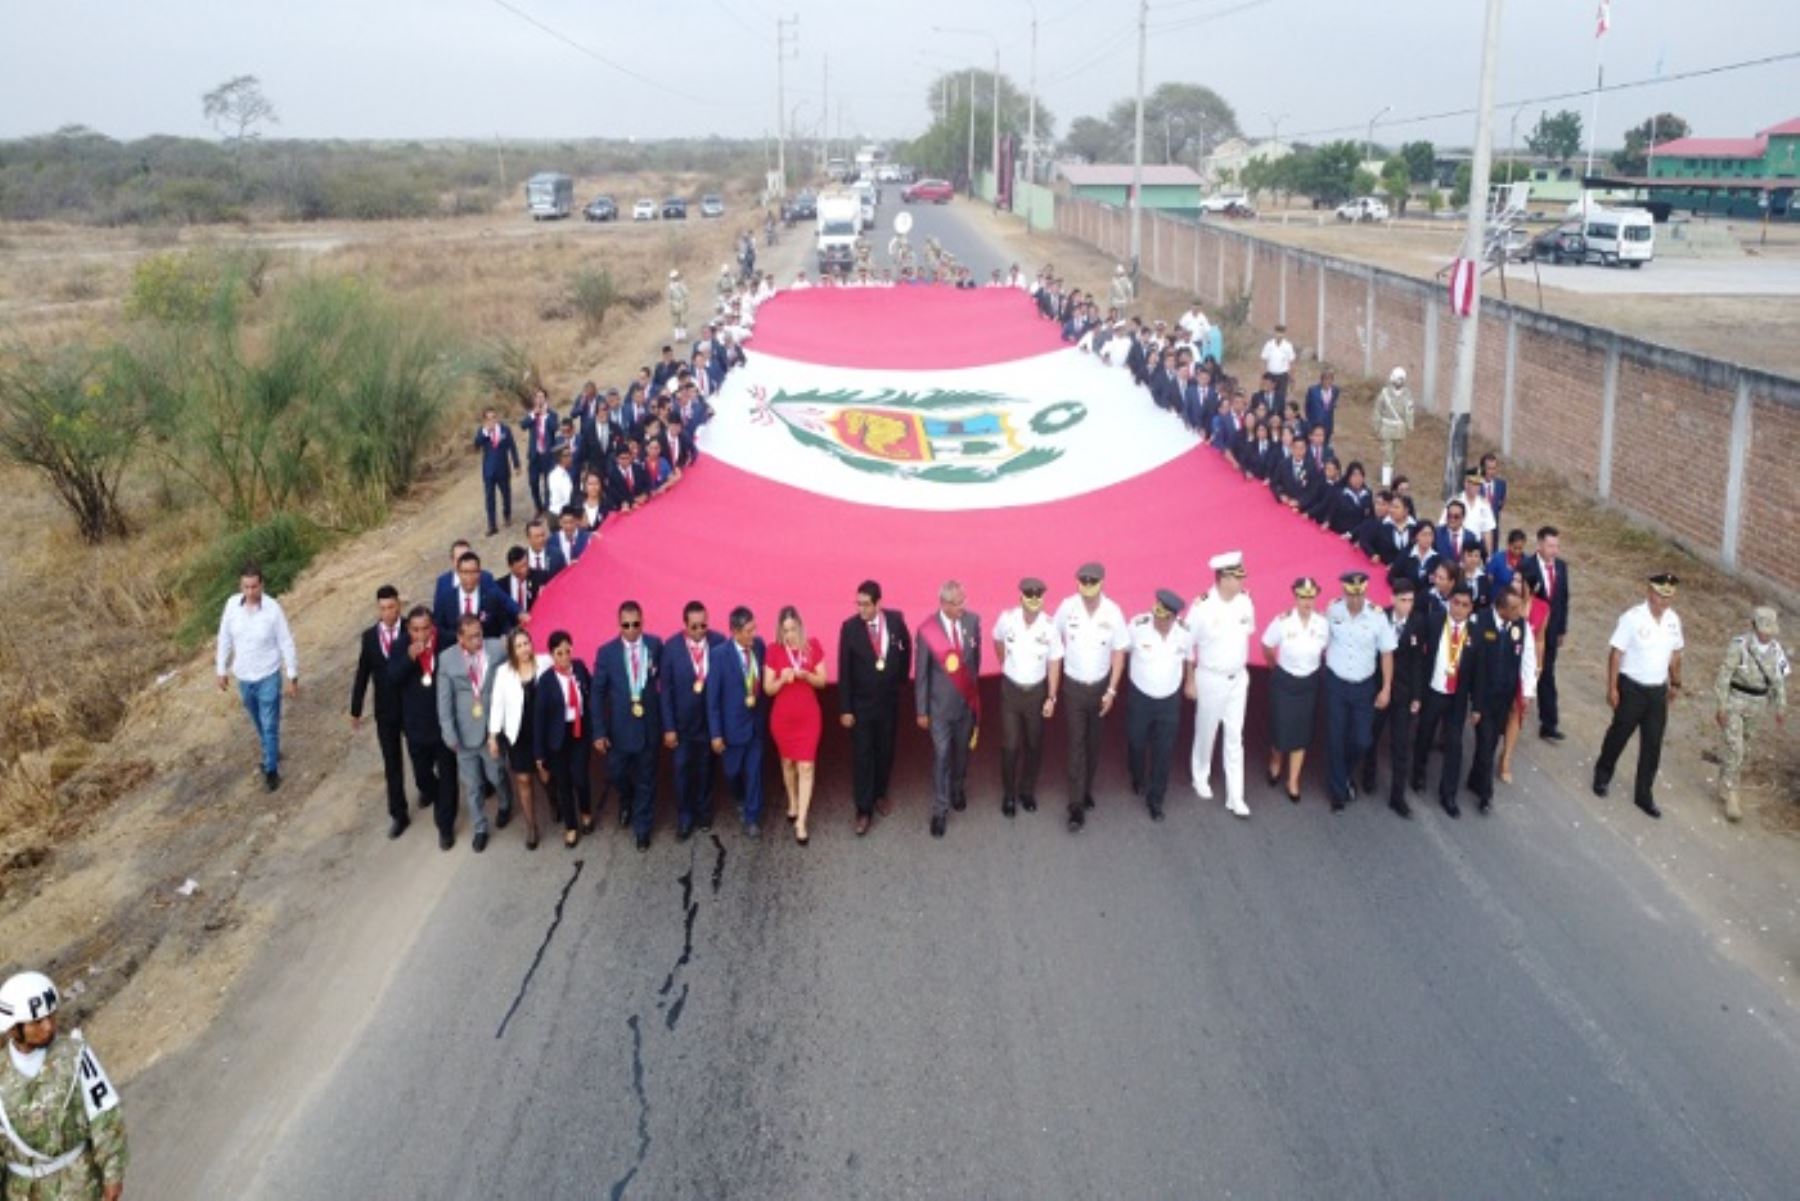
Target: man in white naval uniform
[1222,623]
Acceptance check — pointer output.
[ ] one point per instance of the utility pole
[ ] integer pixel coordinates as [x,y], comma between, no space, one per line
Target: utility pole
[996,121]
[1369,142]
[971,167]
[1137,146]
[825,116]
[1462,390]
[500,153]
[785,28]
[1031,129]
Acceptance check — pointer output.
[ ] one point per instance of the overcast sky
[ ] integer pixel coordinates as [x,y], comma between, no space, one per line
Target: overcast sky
[424,68]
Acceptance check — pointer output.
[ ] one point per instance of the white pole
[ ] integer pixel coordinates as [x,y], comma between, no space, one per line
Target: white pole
[1137,146]
[1031,129]
[1593,125]
[1462,392]
[996,121]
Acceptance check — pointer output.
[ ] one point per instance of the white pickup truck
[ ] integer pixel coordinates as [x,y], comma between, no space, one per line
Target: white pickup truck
[1363,208]
[839,223]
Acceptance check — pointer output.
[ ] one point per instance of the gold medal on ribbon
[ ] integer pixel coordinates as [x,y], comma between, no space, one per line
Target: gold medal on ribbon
[750,701]
[699,687]
[427,679]
[952,662]
[475,709]
[637,709]
[881,665]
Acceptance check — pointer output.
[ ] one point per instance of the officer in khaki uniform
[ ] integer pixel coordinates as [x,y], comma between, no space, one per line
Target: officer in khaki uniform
[62,1137]
[1752,680]
[1161,673]
[678,305]
[1030,655]
[1393,421]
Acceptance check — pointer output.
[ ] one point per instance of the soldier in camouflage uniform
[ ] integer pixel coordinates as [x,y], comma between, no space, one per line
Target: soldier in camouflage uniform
[1123,293]
[62,1137]
[1752,680]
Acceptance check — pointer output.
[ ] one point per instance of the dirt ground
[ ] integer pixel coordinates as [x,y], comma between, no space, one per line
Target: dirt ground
[1758,331]
[99,839]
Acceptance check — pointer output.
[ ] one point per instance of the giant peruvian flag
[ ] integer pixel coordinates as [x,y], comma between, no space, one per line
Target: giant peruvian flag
[917,435]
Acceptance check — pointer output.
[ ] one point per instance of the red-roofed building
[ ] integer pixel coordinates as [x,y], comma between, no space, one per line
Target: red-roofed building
[1716,164]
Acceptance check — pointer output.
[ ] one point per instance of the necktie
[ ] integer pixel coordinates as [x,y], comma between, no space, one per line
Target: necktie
[387,639]
[574,702]
[519,592]
[537,561]
[468,604]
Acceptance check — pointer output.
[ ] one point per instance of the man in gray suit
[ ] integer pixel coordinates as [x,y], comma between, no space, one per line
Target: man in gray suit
[465,694]
[947,684]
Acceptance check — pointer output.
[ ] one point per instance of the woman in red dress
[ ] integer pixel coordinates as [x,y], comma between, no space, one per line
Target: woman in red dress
[793,673]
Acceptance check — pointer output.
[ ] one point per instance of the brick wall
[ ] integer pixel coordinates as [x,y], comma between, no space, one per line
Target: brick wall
[1673,451]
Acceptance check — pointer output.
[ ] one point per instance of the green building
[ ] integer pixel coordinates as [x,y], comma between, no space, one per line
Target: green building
[1167,186]
[1730,176]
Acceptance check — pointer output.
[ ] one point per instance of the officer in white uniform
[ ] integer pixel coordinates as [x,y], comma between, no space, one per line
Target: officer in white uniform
[1643,674]
[1095,638]
[1030,655]
[1161,673]
[1222,624]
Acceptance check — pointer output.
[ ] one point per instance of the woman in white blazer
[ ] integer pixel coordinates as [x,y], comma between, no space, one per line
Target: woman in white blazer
[509,723]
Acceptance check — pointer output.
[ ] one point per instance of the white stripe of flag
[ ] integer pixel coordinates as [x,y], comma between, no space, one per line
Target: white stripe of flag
[1464,278]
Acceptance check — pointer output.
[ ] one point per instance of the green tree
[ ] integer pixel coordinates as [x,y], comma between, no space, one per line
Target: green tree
[1182,122]
[1556,136]
[1329,174]
[61,417]
[1634,157]
[238,109]
[1421,161]
[1091,139]
[1396,183]
[943,148]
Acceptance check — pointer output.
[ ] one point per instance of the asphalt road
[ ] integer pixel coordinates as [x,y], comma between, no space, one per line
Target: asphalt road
[1300,1005]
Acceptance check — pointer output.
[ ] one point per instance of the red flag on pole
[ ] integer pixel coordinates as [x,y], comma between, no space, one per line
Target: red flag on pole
[1465,278]
[1603,18]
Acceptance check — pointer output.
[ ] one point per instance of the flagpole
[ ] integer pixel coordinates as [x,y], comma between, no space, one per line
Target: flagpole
[1603,22]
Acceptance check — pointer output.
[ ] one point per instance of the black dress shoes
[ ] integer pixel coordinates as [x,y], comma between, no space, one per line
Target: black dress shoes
[1401,807]
[1484,806]
[1087,802]
[397,827]
[480,843]
[1600,786]
[1649,808]
[502,817]
[960,803]
[1451,808]
[272,780]
[1551,735]
[1008,808]
[1156,813]
[1077,818]
[643,843]
[424,801]
[937,827]
[446,840]
[1028,804]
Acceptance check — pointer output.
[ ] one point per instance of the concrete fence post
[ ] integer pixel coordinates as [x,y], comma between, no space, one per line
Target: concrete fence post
[1734,481]
[1323,355]
[1281,288]
[1609,403]
[1428,369]
[1369,326]
[1512,374]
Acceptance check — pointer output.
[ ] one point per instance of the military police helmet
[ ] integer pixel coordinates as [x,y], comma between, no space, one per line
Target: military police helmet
[26,997]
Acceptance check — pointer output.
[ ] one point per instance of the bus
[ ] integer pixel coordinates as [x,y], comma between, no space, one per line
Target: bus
[549,195]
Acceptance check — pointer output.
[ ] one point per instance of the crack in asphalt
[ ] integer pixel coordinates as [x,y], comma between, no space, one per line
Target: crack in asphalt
[643,1100]
[555,921]
[718,873]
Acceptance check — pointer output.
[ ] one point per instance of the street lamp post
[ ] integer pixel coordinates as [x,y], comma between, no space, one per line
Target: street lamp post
[1031,126]
[1275,121]
[983,33]
[1369,142]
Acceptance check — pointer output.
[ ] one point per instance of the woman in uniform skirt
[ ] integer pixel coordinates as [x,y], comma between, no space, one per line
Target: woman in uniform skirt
[1294,646]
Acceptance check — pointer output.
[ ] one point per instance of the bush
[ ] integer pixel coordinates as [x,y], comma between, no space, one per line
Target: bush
[174,288]
[505,368]
[592,292]
[284,546]
[376,195]
[62,417]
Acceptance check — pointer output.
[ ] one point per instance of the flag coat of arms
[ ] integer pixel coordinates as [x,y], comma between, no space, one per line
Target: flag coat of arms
[917,435]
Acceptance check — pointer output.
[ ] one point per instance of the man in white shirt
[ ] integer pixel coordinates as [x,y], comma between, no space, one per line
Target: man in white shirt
[1222,625]
[1478,515]
[1030,655]
[1643,674]
[1161,673]
[257,648]
[1194,323]
[560,487]
[1095,638]
[1278,355]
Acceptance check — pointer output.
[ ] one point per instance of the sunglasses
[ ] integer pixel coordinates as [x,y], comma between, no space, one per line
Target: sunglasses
[696,627]
[630,625]
[1087,579]
[1033,594]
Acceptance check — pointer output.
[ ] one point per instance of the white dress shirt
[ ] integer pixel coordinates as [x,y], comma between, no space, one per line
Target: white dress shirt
[1646,645]
[1222,630]
[255,642]
[1089,639]
[562,489]
[1157,659]
[1300,645]
[1454,633]
[1028,647]
[1277,356]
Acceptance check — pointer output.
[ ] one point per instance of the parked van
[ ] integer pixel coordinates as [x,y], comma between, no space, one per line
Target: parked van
[1617,236]
[550,195]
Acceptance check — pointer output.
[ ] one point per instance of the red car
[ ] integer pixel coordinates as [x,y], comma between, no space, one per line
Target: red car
[937,191]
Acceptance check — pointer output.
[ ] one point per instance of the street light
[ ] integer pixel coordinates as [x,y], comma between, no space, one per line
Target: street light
[1168,152]
[1275,121]
[1369,142]
[1031,128]
[982,33]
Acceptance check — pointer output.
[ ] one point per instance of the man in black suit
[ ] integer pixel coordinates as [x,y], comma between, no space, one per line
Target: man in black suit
[627,708]
[627,484]
[520,582]
[1444,701]
[1548,577]
[664,371]
[1493,664]
[1293,481]
[874,659]
[678,444]
[1321,404]
[1410,661]
[499,459]
[559,738]
[540,426]
[475,593]
[412,670]
[379,643]
[686,658]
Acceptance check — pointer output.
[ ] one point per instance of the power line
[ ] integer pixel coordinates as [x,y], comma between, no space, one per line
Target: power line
[1205,18]
[649,80]
[1107,49]
[741,23]
[1698,73]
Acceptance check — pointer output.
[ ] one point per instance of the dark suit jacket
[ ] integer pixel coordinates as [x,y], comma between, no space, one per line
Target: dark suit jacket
[1491,662]
[542,459]
[684,710]
[933,692]
[1289,483]
[727,716]
[497,612]
[1410,661]
[1225,435]
[550,730]
[622,490]
[1377,539]
[1257,459]
[497,462]
[863,691]
[1322,410]
[1414,568]
[553,553]
[1432,636]
[1349,510]
[1452,547]
[372,668]
[534,584]
[1557,624]
[611,697]
[418,700]
[444,595]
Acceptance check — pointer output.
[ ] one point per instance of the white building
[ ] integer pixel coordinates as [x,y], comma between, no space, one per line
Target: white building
[1229,158]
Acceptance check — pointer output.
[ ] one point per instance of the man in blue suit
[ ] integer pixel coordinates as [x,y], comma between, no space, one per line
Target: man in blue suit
[443,596]
[686,658]
[734,714]
[499,459]
[561,715]
[476,594]
[628,717]
[568,544]
[1321,404]
[540,426]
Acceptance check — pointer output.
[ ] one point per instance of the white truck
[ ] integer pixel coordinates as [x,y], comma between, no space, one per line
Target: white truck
[839,223]
[549,195]
[1363,208]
